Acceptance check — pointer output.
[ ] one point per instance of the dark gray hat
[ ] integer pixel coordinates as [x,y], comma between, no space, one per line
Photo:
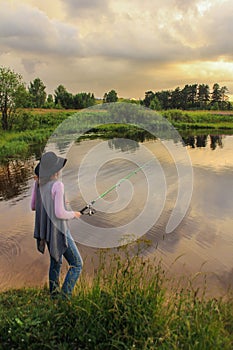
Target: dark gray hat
[37,169]
[50,164]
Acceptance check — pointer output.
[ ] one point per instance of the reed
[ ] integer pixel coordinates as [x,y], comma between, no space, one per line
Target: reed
[29,129]
[199,119]
[18,144]
[126,305]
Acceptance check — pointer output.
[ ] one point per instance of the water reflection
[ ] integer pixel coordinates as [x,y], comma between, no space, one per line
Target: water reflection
[122,140]
[124,145]
[14,176]
[216,140]
[203,141]
[205,235]
[193,141]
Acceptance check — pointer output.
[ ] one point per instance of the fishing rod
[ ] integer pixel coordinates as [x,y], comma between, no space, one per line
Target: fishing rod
[89,210]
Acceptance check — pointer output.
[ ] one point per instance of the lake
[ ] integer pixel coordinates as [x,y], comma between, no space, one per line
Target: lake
[199,247]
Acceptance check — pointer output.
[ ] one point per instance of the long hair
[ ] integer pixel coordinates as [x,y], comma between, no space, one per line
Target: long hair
[43,180]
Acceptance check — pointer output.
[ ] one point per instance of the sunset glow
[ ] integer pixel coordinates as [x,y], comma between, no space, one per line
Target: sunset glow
[132,47]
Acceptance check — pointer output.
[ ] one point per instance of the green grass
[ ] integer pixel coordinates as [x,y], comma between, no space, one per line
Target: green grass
[199,119]
[34,127]
[109,131]
[125,306]
[31,128]
[18,144]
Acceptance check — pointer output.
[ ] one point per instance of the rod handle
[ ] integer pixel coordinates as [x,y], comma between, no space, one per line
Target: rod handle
[88,210]
[83,209]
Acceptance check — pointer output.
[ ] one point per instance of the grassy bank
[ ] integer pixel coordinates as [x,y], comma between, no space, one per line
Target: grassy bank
[125,306]
[184,120]
[34,127]
[17,144]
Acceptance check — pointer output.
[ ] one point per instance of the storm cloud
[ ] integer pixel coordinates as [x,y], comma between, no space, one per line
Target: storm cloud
[97,45]
[29,30]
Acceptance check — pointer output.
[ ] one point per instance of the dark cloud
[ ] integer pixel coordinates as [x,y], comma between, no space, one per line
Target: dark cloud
[158,35]
[28,29]
[97,42]
[217,31]
[83,4]
[90,8]
[140,40]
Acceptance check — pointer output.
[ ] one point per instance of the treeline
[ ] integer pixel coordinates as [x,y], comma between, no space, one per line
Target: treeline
[191,97]
[14,94]
[36,97]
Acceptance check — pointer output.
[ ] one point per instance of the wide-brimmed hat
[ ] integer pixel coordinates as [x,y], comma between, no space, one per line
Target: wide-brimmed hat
[50,164]
[37,169]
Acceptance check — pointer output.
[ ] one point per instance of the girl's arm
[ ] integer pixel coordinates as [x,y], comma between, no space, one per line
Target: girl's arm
[33,198]
[58,196]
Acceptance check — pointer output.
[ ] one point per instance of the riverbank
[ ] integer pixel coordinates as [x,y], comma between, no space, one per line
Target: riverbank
[31,130]
[194,120]
[34,127]
[128,306]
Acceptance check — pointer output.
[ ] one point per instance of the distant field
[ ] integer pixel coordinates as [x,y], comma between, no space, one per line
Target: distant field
[50,110]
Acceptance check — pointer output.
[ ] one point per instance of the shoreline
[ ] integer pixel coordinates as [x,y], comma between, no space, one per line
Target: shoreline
[115,311]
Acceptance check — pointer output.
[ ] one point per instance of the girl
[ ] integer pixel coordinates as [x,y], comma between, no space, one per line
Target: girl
[51,224]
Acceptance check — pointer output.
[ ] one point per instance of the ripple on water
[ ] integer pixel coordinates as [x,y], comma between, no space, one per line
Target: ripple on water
[14,177]
[205,234]
[9,248]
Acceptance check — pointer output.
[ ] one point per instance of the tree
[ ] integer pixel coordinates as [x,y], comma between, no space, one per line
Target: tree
[155,104]
[63,97]
[216,95]
[50,98]
[149,96]
[185,92]
[111,96]
[224,97]
[83,100]
[37,93]
[193,95]
[49,102]
[12,94]
[188,96]
[176,98]
[203,96]
[164,98]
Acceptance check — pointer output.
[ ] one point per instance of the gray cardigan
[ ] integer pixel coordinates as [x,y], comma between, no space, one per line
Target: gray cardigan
[47,226]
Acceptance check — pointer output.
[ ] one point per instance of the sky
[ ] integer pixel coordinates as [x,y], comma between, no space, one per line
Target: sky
[131,46]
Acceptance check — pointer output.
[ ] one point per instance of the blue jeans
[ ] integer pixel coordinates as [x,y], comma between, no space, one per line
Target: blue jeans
[75,262]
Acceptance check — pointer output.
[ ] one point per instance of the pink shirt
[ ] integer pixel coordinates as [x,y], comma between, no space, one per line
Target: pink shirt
[58,198]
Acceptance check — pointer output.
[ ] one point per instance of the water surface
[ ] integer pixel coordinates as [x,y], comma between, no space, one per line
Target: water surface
[201,246]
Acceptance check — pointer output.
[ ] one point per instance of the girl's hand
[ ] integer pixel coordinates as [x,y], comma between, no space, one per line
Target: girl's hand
[41,247]
[77,214]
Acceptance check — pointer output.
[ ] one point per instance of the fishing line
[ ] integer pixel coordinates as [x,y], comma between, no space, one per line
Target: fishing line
[89,210]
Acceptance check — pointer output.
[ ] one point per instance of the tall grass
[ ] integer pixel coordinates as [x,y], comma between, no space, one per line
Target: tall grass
[199,119]
[124,306]
[36,126]
[29,128]
[18,144]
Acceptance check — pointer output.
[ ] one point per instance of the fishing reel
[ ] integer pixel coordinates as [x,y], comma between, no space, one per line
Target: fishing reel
[88,210]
